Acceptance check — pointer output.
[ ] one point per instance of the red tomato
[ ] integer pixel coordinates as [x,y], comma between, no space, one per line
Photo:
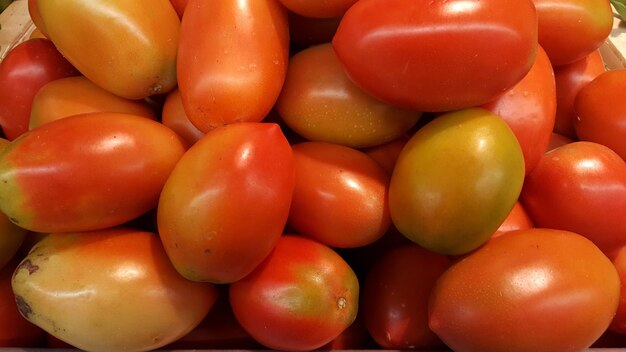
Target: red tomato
[226,203]
[340,197]
[318,9]
[529,290]
[570,79]
[396,294]
[386,154]
[173,116]
[306,31]
[569,30]
[355,337]
[518,219]
[25,69]
[15,331]
[529,109]
[580,187]
[601,110]
[300,298]
[619,321]
[557,140]
[86,172]
[437,55]
[232,60]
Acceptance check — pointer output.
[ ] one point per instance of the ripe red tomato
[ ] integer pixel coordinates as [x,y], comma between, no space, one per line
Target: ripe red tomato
[318,9]
[557,140]
[173,116]
[600,108]
[437,55]
[25,69]
[300,297]
[86,172]
[619,321]
[396,293]
[528,290]
[340,195]
[518,219]
[320,102]
[569,30]
[570,79]
[529,108]
[232,60]
[580,187]
[226,203]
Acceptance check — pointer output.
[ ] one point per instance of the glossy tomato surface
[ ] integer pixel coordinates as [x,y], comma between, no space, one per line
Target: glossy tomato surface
[528,290]
[119,291]
[580,187]
[437,55]
[86,172]
[456,180]
[226,203]
[300,298]
[232,60]
[340,195]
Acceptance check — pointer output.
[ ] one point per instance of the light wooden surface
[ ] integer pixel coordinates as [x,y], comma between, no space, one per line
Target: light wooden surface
[15,26]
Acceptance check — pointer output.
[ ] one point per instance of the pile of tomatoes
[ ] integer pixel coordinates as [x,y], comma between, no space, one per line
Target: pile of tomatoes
[300,175]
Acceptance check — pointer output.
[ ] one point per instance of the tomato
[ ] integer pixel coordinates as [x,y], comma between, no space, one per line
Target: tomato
[11,238]
[179,6]
[76,95]
[600,108]
[386,154]
[306,31]
[35,16]
[580,187]
[557,140]
[137,301]
[529,290]
[353,337]
[321,103]
[456,180]
[529,108]
[340,195]
[518,219]
[173,116]
[232,60]
[437,55]
[318,9]
[569,30]
[570,79]
[133,56]
[26,68]
[301,297]
[396,294]
[618,323]
[226,203]
[86,172]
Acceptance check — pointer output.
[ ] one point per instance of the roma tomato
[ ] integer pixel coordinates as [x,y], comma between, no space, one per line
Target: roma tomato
[569,30]
[173,116]
[570,79]
[86,172]
[437,55]
[301,297]
[232,60]
[386,154]
[529,108]
[318,9]
[518,219]
[600,108]
[340,195]
[25,69]
[396,294]
[580,187]
[133,56]
[456,180]
[529,290]
[77,95]
[136,302]
[226,203]
[35,16]
[618,324]
[320,102]
[557,140]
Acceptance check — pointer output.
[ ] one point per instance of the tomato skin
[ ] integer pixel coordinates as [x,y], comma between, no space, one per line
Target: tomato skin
[434,207]
[569,30]
[575,185]
[600,108]
[386,154]
[54,176]
[140,65]
[570,79]
[35,16]
[78,95]
[493,302]
[557,140]
[437,55]
[318,9]
[618,324]
[173,116]
[226,203]
[340,195]
[301,297]
[225,74]
[321,103]
[518,219]
[25,69]
[396,294]
[136,302]
[529,108]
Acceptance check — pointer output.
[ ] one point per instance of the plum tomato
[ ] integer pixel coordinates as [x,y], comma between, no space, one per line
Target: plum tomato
[618,323]
[518,219]
[173,116]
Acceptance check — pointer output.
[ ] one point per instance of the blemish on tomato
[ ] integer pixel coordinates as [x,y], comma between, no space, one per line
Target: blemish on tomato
[342,303]
[27,265]
[23,307]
